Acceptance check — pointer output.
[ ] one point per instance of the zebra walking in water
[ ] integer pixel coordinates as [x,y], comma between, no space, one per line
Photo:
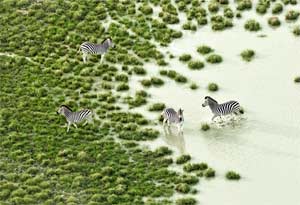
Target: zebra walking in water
[171,116]
[230,107]
[74,117]
[91,48]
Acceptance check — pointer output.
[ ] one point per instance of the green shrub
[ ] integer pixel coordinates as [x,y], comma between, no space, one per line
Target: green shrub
[183,188]
[192,167]
[156,81]
[146,82]
[214,58]
[296,31]
[157,107]
[244,5]
[231,175]
[247,55]
[213,87]
[274,21]
[146,9]
[213,7]
[189,26]
[209,173]
[183,159]
[195,65]
[252,25]
[122,87]
[185,57]
[194,86]
[203,49]
[292,15]
[205,127]
[297,79]
[277,8]
[186,201]
[139,70]
[180,79]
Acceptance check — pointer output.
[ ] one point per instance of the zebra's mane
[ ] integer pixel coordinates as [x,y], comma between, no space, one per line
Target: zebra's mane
[210,98]
[65,106]
[106,39]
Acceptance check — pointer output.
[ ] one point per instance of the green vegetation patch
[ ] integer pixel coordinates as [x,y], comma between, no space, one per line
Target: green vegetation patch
[247,55]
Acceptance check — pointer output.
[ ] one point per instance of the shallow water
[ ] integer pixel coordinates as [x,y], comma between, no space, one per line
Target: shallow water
[264,147]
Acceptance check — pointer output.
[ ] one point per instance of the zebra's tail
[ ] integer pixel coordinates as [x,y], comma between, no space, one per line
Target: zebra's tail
[241,110]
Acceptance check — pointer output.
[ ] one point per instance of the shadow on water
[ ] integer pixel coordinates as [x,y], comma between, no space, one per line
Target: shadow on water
[174,138]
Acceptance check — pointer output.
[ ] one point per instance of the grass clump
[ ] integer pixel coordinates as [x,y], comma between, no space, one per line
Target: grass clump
[189,26]
[183,188]
[195,65]
[146,82]
[205,127]
[213,87]
[247,55]
[244,5]
[186,201]
[122,87]
[277,8]
[219,23]
[292,15]
[274,21]
[146,9]
[209,173]
[139,70]
[194,86]
[297,79]
[203,49]
[185,57]
[157,107]
[231,175]
[156,81]
[252,25]
[214,59]
[194,167]
[296,30]
[183,159]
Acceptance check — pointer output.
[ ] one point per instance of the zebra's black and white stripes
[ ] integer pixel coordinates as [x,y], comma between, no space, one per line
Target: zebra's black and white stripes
[91,48]
[230,107]
[171,116]
[74,117]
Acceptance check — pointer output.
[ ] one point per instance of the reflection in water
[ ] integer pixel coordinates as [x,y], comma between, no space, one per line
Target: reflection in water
[174,138]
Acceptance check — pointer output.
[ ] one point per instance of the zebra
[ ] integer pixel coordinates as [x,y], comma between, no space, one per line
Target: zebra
[230,107]
[171,116]
[91,48]
[74,117]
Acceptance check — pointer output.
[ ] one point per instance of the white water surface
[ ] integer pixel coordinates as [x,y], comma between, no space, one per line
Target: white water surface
[264,147]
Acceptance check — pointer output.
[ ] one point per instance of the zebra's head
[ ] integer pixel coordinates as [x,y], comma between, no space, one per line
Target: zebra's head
[110,42]
[62,108]
[180,115]
[209,100]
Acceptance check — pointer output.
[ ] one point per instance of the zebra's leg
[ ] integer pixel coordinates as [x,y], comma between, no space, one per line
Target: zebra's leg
[84,57]
[164,122]
[75,125]
[212,119]
[68,126]
[102,57]
[169,124]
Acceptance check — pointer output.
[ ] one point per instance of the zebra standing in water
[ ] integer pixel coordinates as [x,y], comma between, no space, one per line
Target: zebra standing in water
[171,116]
[230,107]
[74,117]
[91,48]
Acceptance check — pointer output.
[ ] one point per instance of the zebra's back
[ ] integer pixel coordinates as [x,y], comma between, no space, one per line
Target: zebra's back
[91,48]
[228,108]
[79,116]
[171,115]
